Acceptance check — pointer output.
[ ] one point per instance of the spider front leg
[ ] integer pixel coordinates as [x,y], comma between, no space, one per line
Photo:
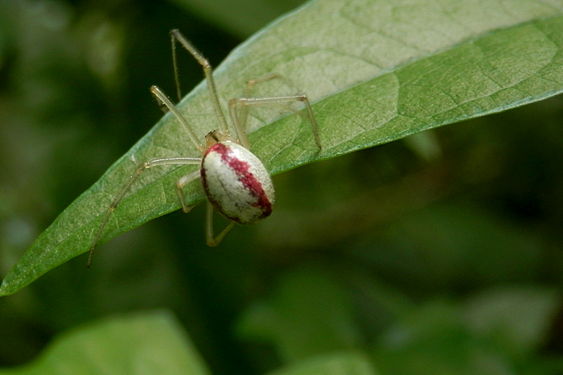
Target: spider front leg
[121,194]
[241,126]
[177,36]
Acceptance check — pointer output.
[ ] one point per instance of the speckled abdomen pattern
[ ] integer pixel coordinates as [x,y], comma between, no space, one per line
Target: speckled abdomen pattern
[237,183]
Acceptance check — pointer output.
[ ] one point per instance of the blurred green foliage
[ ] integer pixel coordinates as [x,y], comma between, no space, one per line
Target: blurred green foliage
[387,260]
[119,345]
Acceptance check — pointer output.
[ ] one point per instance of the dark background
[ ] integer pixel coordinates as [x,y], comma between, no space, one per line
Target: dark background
[415,234]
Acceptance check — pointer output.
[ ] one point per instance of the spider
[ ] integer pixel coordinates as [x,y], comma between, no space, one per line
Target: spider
[235,181]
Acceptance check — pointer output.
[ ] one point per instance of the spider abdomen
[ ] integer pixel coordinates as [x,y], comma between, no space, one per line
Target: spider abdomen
[236,182]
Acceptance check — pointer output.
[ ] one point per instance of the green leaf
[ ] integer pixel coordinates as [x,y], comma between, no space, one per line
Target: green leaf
[289,319]
[376,71]
[493,333]
[518,318]
[433,337]
[333,364]
[148,343]
[453,255]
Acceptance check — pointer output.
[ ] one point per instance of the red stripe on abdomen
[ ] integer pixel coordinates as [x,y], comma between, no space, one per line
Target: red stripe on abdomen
[245,176]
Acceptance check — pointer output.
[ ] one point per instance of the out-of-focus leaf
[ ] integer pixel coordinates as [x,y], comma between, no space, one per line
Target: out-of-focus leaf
[446,245]
[335,364]
[308,314]
[433,339]
[518,318]
[376,71]
[149,343]
[476,337]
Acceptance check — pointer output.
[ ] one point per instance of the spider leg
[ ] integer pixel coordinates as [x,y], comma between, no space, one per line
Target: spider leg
[121,194]
[240,127]
[180,184]
[176,36]
[162,99]
[211,239]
